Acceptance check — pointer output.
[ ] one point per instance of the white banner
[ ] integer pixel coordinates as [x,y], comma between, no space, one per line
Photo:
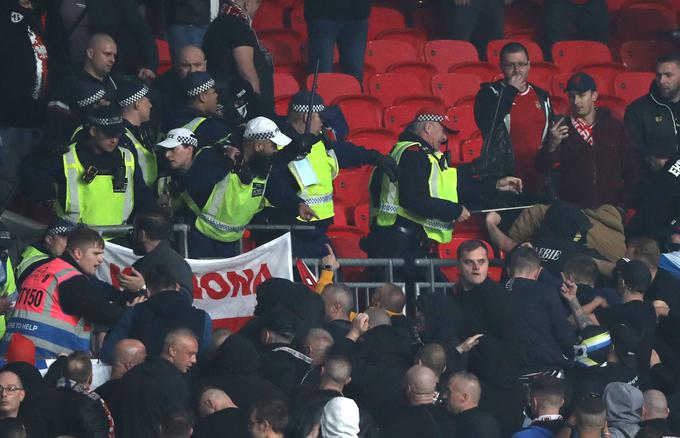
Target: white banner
[225,288]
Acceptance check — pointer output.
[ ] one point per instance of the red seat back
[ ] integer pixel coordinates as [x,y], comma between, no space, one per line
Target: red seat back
[383,18]
[485,71]
[568,54]
[642,55]
[350,187]
[360,111]
[379,139]
[285,45]
[444,54]
[541,73]
[380,54]
[604,74]
[285,84]
[422,70]
[389,86]
[414,37]
[332,85]
[631,85]
[452,86]
[493,50]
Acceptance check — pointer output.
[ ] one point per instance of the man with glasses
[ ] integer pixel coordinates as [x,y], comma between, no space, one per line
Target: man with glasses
[514,117]
[11,394]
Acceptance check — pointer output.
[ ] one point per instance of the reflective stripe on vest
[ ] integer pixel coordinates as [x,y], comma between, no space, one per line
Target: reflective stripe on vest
[96,203]
[230,208]
[319,196]
[442,184]
[146,159]
[38,314]
[76,132]
[30,255]
[194,124]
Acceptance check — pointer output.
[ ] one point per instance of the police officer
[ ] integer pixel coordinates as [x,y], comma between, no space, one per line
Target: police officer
[52,244]
[224,192]
[201,114]
[97,182]
[308,170]
[135,107]
[8,285]
[408,216]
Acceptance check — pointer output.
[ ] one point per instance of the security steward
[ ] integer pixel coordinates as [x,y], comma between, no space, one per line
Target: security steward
[97,182]
[202,112]
[224,191]
[308,168]
[59,301]
[53,244]
[8,285]
[409,216]
[135,108]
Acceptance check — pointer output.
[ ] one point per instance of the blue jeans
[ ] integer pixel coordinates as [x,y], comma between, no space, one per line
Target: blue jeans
[349,35]
[180,35]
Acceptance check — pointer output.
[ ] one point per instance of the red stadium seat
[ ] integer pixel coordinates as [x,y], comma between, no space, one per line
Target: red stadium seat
[297,19]
[345,242]
[164,59]
[541,73]
[444,54]
[645,20]
[388,87]
[642,55]
[471,149]
[449,251]
[383,18]
[281,104]
[493,50]
[421,101]
[485,71]
[415,37]
[631,85]
[568,54]
[361,217]
[463,119]
[453,86]
[422,70]
[339,214]
[558,84]
[466,100]
[285,45]
[522,18]
[615,104]
[604,74]
[285,84]
[360,111]
[296,69]
[380,54]
[332,85]
[378,139]
[560,105]
[350,187]
[396,117]
[269,16]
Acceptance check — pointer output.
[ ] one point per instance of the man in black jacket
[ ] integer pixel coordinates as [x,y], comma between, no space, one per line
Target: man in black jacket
[464,393]
[653,119]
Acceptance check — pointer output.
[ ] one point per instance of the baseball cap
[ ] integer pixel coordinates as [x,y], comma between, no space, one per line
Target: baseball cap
[300,102]
[261,128]
[107,119]
[580,83]
[432,114]
[178,137]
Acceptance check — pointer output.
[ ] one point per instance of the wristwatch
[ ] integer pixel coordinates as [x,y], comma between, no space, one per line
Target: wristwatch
[327,268]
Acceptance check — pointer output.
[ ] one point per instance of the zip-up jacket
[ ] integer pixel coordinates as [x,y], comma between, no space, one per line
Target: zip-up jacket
[651,120]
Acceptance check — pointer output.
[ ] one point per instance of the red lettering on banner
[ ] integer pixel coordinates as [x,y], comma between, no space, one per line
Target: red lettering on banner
[198,294]
[217,278]
[239,283]
[261,276]
[114,271]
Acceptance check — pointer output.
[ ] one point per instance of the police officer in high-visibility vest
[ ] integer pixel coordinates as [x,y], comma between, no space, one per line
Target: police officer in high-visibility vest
[97,182]
[53,244]
[135,107]
[58,302]
[8,286]
[224,192]
[201,113]
[309,173]
[409,216]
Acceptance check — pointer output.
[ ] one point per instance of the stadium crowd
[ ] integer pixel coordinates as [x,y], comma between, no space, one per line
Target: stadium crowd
[570,332]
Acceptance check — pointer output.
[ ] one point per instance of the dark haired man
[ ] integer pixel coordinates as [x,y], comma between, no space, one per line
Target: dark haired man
[268,419]
[546,400]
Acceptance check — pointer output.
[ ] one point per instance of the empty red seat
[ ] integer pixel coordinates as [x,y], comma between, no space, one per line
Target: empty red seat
[297,19]
[396,117]
[485,71]
[645,20]
[471,149]
[493,50]
[421,101]
[541,73]
[568,54]
[361,217]
[285,45]
[350,187]
[269,16]
[444,54]
[383,18]
[389,86]
[560,105]
[558,83]
[466,100]
[281,104]
[604,74]
[285,84]
[631,85]
[296,69]
[345,242]
[615,104]
[164,59]
[379,139]
[360,111]
[422,70]
[522,18]
[332,85]
[463,120]
[414,37]
[642,55]
[452,86]
[380,54]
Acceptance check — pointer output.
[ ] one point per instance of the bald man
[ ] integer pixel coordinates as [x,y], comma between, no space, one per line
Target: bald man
[377,317]
[392,299]
[171,95]
[655,412]
[127,354]
[338,303]
[218,415]
[421,418]
[464,394]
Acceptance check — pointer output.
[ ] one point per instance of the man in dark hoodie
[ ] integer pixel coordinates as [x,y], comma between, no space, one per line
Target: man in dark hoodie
[652,119]
[165,310]
[655,412]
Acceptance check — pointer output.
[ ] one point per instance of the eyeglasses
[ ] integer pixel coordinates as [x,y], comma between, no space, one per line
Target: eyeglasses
[11,389]
[515,65]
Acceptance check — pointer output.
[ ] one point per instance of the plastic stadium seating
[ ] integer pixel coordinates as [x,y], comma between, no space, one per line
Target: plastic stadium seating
[541,73]
[642,54]
[470,149]
[297,19]
[421,102]
[379,139]
[396,117]
[345,242]
[558,83]
[560,104]
[360,111]
[380,54]
[453,86]
[285,84]
[466,100]
[631,85]
[296,69]
[615,104]
[350,187]
[361,217]
[444,54]
[414,37]
[383,18]
[485,71]
[281,104]
[568,54]
[390,86]
[422,70]
[463,119]
[644,20]
[604,74]
[285,45]
[332,85]
[164,60]
[269,16]
[493,50]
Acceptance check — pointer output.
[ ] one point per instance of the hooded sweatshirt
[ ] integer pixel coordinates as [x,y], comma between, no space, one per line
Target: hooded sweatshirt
[651,120]
[624,403]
